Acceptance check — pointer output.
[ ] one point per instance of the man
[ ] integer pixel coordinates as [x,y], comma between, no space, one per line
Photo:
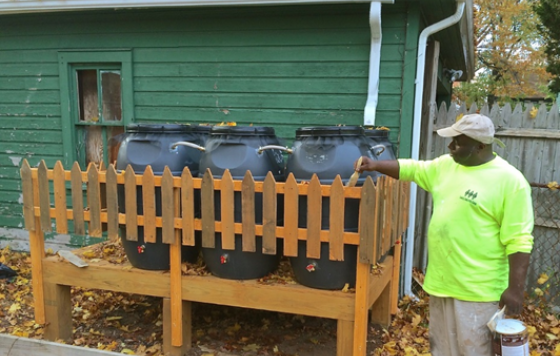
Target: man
[479,237]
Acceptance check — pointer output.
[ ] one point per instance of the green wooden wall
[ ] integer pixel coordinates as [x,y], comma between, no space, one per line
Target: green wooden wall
[286,67]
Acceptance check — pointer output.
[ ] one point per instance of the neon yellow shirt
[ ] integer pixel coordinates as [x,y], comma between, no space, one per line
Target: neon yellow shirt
[481,215]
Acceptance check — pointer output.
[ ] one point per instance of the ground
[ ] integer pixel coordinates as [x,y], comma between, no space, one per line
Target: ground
[132,324]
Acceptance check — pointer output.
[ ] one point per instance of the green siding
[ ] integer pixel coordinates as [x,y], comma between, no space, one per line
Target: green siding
[280,66]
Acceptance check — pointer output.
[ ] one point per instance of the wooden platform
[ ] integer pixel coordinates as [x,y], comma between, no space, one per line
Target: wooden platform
[381,222]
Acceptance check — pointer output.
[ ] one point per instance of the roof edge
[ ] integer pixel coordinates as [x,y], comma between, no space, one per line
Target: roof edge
[25,6]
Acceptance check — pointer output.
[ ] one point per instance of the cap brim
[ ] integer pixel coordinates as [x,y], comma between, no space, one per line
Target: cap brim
[448,132]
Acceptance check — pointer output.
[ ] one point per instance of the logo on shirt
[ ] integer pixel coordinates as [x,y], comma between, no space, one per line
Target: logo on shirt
[470,196]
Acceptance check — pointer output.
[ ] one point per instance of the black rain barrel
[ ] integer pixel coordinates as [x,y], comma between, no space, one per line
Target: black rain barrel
[151,144]
[237,148]
[328,151]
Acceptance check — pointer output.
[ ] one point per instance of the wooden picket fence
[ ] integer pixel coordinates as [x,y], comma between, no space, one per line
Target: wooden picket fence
[382,220]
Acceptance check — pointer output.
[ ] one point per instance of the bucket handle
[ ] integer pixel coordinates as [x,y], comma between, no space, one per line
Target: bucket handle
[378,153]
[274,147]
[188,144]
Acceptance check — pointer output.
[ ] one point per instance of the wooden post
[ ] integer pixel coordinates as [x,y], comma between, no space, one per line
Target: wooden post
[396,276]
[344,337]
[168,348]
[361,313]
[58,311]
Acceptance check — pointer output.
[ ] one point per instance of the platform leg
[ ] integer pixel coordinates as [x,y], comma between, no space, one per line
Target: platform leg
[381,309]
[168,348]
[344,337]
[58,312]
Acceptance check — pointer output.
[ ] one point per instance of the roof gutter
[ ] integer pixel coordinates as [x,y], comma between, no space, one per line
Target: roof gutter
[419,89]
[23,6]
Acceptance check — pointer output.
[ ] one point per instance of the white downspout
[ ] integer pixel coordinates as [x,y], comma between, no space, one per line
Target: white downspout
[374,62]
[415,154]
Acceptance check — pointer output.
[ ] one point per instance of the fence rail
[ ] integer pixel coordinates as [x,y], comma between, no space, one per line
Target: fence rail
[383,207]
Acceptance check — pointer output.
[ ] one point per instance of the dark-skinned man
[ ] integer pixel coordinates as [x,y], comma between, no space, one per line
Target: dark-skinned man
[479,237]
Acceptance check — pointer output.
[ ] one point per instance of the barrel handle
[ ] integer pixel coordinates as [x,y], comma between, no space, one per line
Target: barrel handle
[188,144]
[382,149]
[274,147]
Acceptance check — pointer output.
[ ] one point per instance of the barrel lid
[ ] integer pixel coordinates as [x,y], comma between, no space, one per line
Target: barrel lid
[510,327]
[329,131]
[242,130]
[159,128]
[376,133]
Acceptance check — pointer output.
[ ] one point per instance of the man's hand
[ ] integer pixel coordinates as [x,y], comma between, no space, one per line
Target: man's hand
[512,297]
[513,300]
[389,167]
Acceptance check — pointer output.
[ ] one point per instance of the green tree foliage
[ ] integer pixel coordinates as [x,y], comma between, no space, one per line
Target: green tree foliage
[510,59]
[549,14]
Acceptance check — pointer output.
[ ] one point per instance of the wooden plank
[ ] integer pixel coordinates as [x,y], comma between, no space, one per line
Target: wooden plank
[112,204]
[44,198]
[149,205]
[379,210]
[344,337]
[18,346]
[367,227]
[289,298]
[336,221]
[269,215]
[396,276]
[94,202]
[37,251]
[27,191]
[130,204]
[59,187]
[207,207]
[77,200]
[175,290]
[187,207]
[361,307]
[291,200]
[168,347]
[227,211]
[248,213]
[387,215]
[314,201]
[381,310]
[58,312]
[167,207]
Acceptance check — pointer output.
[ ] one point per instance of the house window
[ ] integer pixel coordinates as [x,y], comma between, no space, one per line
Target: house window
[96,90]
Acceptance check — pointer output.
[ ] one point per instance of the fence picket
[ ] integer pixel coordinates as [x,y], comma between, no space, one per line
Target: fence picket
[167,207]
[187,207]
[227,211]
[59,187]
[94,202]
[336,221]
[368,223]
[112,203]
[248,213]
[77,199]
[149,205]
[130,204]
[291,203]
[44,197]
[207,210]
[314,214]
[27,188]
[269,215]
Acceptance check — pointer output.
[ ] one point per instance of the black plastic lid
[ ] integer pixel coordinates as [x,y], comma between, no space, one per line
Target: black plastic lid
[329,131]
[376,133]
[160,128]
[242,130]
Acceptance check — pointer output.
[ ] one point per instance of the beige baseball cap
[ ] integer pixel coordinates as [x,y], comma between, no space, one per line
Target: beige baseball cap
[476,126]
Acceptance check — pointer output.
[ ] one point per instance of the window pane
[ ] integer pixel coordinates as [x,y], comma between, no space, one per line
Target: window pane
[111,94]
[116,136]
[94,145]
[87,95]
